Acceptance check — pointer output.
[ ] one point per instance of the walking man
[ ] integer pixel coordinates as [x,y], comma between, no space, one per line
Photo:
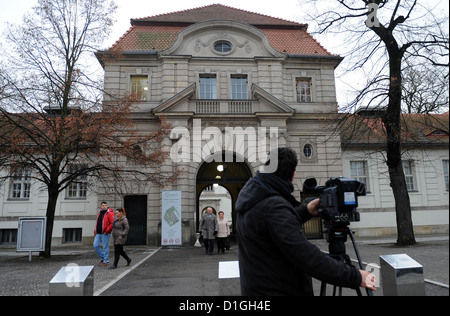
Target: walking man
[102,233]
[208,225]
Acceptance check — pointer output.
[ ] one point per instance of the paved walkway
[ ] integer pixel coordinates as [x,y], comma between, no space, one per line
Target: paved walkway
[187,271]
[19,277]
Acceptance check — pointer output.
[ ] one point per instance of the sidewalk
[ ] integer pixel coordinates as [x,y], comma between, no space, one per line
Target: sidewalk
[19,277]
[432,252]
[187,271]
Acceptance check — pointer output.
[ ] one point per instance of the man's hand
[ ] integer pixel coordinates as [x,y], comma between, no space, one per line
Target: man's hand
[313,207]
[368,280]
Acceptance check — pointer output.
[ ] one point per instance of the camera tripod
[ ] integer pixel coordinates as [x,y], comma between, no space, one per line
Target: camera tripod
[336,238]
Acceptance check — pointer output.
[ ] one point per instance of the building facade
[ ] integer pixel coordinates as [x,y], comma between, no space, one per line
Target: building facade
[231,83]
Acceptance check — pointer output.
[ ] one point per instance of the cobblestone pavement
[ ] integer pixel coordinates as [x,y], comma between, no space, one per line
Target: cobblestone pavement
[19,277]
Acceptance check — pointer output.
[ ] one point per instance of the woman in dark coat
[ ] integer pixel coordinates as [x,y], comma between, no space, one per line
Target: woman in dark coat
[120,233]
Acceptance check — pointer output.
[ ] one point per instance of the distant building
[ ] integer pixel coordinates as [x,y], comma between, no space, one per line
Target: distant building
[426,166]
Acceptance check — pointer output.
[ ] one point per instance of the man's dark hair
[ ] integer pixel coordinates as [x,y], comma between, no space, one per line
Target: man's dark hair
[103,203]
[287,162]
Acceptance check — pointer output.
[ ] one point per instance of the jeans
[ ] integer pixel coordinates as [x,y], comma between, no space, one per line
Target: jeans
[104,240]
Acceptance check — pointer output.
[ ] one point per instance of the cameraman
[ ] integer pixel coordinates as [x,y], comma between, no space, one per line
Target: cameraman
[275,258]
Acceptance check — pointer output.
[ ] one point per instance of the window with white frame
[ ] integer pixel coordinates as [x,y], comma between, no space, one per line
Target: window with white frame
[77,189]
[20,184]
[208,87]
[445,167]
[358,171]
[408,169]
[303,86]
[239,87]
[139,87]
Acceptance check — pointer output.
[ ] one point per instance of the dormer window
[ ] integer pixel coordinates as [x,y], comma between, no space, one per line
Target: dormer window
[222,47]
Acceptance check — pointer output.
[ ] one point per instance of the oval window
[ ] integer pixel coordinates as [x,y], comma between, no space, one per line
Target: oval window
[222,47]
[308,151]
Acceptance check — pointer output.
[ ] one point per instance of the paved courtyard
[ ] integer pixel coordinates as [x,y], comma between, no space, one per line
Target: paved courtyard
[187,271]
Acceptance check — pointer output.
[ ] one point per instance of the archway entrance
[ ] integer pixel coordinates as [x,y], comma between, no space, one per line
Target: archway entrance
[230,175]
[219,199]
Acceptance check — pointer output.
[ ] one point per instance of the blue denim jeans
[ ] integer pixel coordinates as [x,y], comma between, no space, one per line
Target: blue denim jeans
[104,240]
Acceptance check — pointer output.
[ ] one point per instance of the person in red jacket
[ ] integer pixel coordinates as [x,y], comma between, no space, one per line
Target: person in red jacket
[102,233]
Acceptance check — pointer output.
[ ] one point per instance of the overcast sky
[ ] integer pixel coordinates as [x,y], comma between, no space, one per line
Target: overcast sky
[13,10]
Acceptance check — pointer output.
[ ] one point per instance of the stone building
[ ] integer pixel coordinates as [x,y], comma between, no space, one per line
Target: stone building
[214,69]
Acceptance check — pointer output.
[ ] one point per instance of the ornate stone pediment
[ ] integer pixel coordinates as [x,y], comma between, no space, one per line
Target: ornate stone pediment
[243,40]
[262,103]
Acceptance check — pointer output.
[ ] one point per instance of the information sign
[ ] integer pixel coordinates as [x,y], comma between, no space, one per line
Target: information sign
[171,218]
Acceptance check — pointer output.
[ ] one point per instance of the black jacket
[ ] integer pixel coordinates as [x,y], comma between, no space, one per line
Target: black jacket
[275,258]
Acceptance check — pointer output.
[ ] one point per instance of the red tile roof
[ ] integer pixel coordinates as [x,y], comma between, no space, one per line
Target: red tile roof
[159,32]
[148,38]
[415,129]
[295,42]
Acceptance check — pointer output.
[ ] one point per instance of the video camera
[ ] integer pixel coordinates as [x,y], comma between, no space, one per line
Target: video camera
[338,201]
[338,198]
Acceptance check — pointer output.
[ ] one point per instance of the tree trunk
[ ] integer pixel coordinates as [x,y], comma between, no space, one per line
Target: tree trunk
[51,208]
[392,122]
[405,228]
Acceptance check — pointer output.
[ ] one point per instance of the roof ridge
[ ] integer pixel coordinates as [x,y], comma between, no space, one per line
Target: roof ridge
[266,15]
[221,5]
[169,13]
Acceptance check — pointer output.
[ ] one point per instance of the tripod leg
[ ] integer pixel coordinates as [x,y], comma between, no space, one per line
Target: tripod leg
[323,289]
[350,232]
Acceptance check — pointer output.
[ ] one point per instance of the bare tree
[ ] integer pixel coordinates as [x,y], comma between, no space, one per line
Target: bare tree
[379,37]
[425,90]
[53,126]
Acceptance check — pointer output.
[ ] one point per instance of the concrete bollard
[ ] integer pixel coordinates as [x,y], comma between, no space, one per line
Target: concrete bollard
[229,282]
[73,280]
[401,276]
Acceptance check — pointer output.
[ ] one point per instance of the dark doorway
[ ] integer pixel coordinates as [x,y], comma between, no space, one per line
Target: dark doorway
[136,208]
[231,175]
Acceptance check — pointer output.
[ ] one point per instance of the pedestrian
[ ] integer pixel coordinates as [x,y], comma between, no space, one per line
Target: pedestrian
[208,226]
[120,233]
[275,258]
[223,232]
[102,232]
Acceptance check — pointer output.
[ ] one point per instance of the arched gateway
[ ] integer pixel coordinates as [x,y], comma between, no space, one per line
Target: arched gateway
[231,175]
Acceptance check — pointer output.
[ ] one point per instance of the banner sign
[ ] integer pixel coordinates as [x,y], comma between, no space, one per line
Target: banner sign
[171,218]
